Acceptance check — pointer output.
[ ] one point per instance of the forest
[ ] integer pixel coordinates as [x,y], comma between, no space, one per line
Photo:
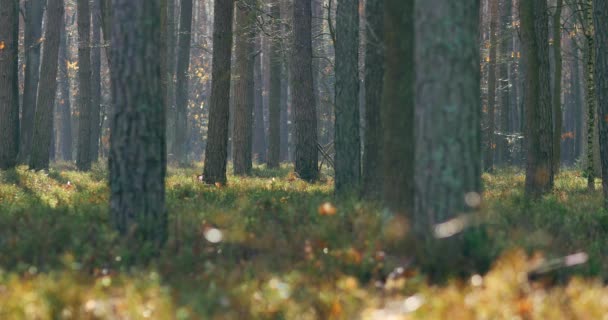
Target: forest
[303,159]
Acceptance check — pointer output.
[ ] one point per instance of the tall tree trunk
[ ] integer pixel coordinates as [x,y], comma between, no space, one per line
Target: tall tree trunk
[448,148]
[490,135]
[43,120]
[216,151]
[374,74]
[34,10]
[286,116]
[347,136]
[397,115]
[9,82]
[259,131]
[590,96]
[137,145]
[181,88]
[557,85]
[539,121]
[65,107]
[244,95]
[303,101]
[84,159]
[274,94]
[577,97]
[95,79]
[600,17]
[506,48]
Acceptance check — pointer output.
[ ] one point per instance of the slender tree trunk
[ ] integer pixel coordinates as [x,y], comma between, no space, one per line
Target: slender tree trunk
[43,120]
[590,97]
[305,114]
[84,159]
[577,97]
[244,95]
[216,151]
[34,10]
[286,116]
[181,88]
[374,74]
[397,115]
[65,107]
[490,135]
[274,99]
[95,79]
[137,145]
[557,85]
[347,136]
[600,17]
[506,48]
[259,131]
[539,121]
[9,90]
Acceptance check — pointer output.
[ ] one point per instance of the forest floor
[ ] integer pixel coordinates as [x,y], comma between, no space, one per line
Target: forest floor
[274,247]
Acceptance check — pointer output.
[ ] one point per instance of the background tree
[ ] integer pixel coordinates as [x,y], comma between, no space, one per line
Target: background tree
[95,78]
[274,99]
[303,102]
[347,137]
[374,74]
[84,160]
[65,106]
[216,151]
[34,10]
[537,104]
[181,88]
[491,127]
[43,121]
[600,18]
[137,157]
[9,91]
[397,115]
[557,85]
[259,128]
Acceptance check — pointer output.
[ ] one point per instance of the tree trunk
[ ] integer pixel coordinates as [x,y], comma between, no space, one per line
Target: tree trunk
[374,73]
[506,48]
[590,97]
[216,151]
[397,115]
[181,88]
[9,82]
[34,10]
[538,117]
[65,112]
[43,120]
[259,131]
[600,17]
[274,94]
[347,136]
[557,85]
[137,158]
[577,100]
[95,80]
[84,159]
[303,101]
[490,134]
[244,95]
[286,116]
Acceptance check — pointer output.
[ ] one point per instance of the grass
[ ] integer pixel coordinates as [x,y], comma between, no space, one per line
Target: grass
[288,250]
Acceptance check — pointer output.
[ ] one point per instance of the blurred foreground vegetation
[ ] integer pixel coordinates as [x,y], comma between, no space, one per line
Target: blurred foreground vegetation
[274,247]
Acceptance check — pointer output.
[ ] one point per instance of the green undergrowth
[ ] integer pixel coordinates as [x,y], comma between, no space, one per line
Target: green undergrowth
[271,246]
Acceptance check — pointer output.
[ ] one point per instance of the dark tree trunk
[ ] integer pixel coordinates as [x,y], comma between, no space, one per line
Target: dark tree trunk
[274,94]
[65,107]
[259,131]
[506,48]
[490,133]
[538,110]
[347,136]
[95,80]
[137,158]
[244,88]
[285,115]
[577,97]
[43,120]
[374,74]
[305,114]
[397,115]
[557,85]
[9,91]
[216,151]
[84,159]
[181,88]
[600,15]
[34,10]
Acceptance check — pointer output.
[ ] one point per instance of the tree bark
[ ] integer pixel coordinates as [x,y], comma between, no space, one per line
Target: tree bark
[244,96]
[34,10]
[600,18]
[259,131]
[490,134]
[538,109]
[43,120]
[274,94]
[506,48]
[303,101]
[557,86]
[181,88]
[95,79]
[374,74]
[84,159]
[137,157]
[216,151]
[397,115]
[347,136]
[9,90]
[65,111]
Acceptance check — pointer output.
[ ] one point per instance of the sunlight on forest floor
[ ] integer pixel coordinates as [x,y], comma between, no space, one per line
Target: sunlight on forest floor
[274,247]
